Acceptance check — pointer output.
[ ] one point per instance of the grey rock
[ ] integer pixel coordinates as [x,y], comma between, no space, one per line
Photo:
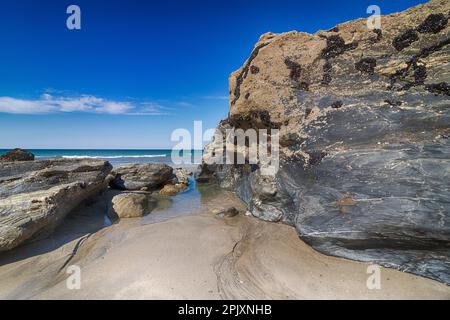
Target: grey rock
[129,205]
[36,196]
[138,176]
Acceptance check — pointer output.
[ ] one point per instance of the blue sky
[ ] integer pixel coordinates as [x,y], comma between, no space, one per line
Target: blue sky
[137,69]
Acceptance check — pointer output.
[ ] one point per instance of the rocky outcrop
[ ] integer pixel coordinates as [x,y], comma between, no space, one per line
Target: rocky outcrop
[17,155]
[130,205]
[146,176]
[35,196]
[364,122]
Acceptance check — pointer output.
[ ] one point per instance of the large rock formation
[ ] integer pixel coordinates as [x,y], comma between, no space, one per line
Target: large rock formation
[364,120]
[137,176]
[36,195]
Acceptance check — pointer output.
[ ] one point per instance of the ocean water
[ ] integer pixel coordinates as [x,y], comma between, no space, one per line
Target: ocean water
[116,157]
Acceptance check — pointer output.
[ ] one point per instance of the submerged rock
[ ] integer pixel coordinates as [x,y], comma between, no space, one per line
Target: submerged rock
[36,196]
[139,176]
[17,155]
[359,177]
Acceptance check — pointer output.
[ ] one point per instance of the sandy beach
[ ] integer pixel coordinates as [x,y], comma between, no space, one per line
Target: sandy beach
[191,256]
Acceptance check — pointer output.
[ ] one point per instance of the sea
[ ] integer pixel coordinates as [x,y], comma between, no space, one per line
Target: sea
[120,156]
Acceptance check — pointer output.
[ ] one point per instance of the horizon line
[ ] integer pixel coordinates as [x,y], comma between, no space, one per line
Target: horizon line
[102,149]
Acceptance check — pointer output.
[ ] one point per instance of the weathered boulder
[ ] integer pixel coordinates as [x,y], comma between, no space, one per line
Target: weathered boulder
[35,196]
[169,190]
[139,176]
[130,205]
[364,121]
[17,155]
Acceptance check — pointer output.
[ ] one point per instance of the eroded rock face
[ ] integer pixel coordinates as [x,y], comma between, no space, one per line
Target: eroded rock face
[130,205]
[17,155]
[35,196]
[364,120]
[139,176]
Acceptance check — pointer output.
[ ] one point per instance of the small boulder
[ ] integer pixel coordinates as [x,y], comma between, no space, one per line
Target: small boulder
[169,190]
[129,205]
[17,155]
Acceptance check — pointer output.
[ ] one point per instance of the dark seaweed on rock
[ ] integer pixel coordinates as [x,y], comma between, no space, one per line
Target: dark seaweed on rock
[243,74]
[379,34]
[326,78]
[420,74]
[405,39]
[254,69]
[419,70]
[303,86]
[366,65]
[336,46]
[439,88]
[433,23]
[254,119]
[337,104]
[394,103]
[316,156]
[294,67]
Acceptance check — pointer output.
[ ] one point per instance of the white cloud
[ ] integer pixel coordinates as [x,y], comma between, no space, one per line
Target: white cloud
[216,97]
[151,109]
[184,104]
[48,103]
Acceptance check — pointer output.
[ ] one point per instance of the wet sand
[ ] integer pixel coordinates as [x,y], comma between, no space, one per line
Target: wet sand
[194,256]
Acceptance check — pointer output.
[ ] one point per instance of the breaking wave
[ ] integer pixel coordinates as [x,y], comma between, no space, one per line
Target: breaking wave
[117,157]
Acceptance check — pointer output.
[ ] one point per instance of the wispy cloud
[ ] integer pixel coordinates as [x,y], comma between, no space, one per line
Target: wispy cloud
[184,104]
[216,97]
[48,103]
